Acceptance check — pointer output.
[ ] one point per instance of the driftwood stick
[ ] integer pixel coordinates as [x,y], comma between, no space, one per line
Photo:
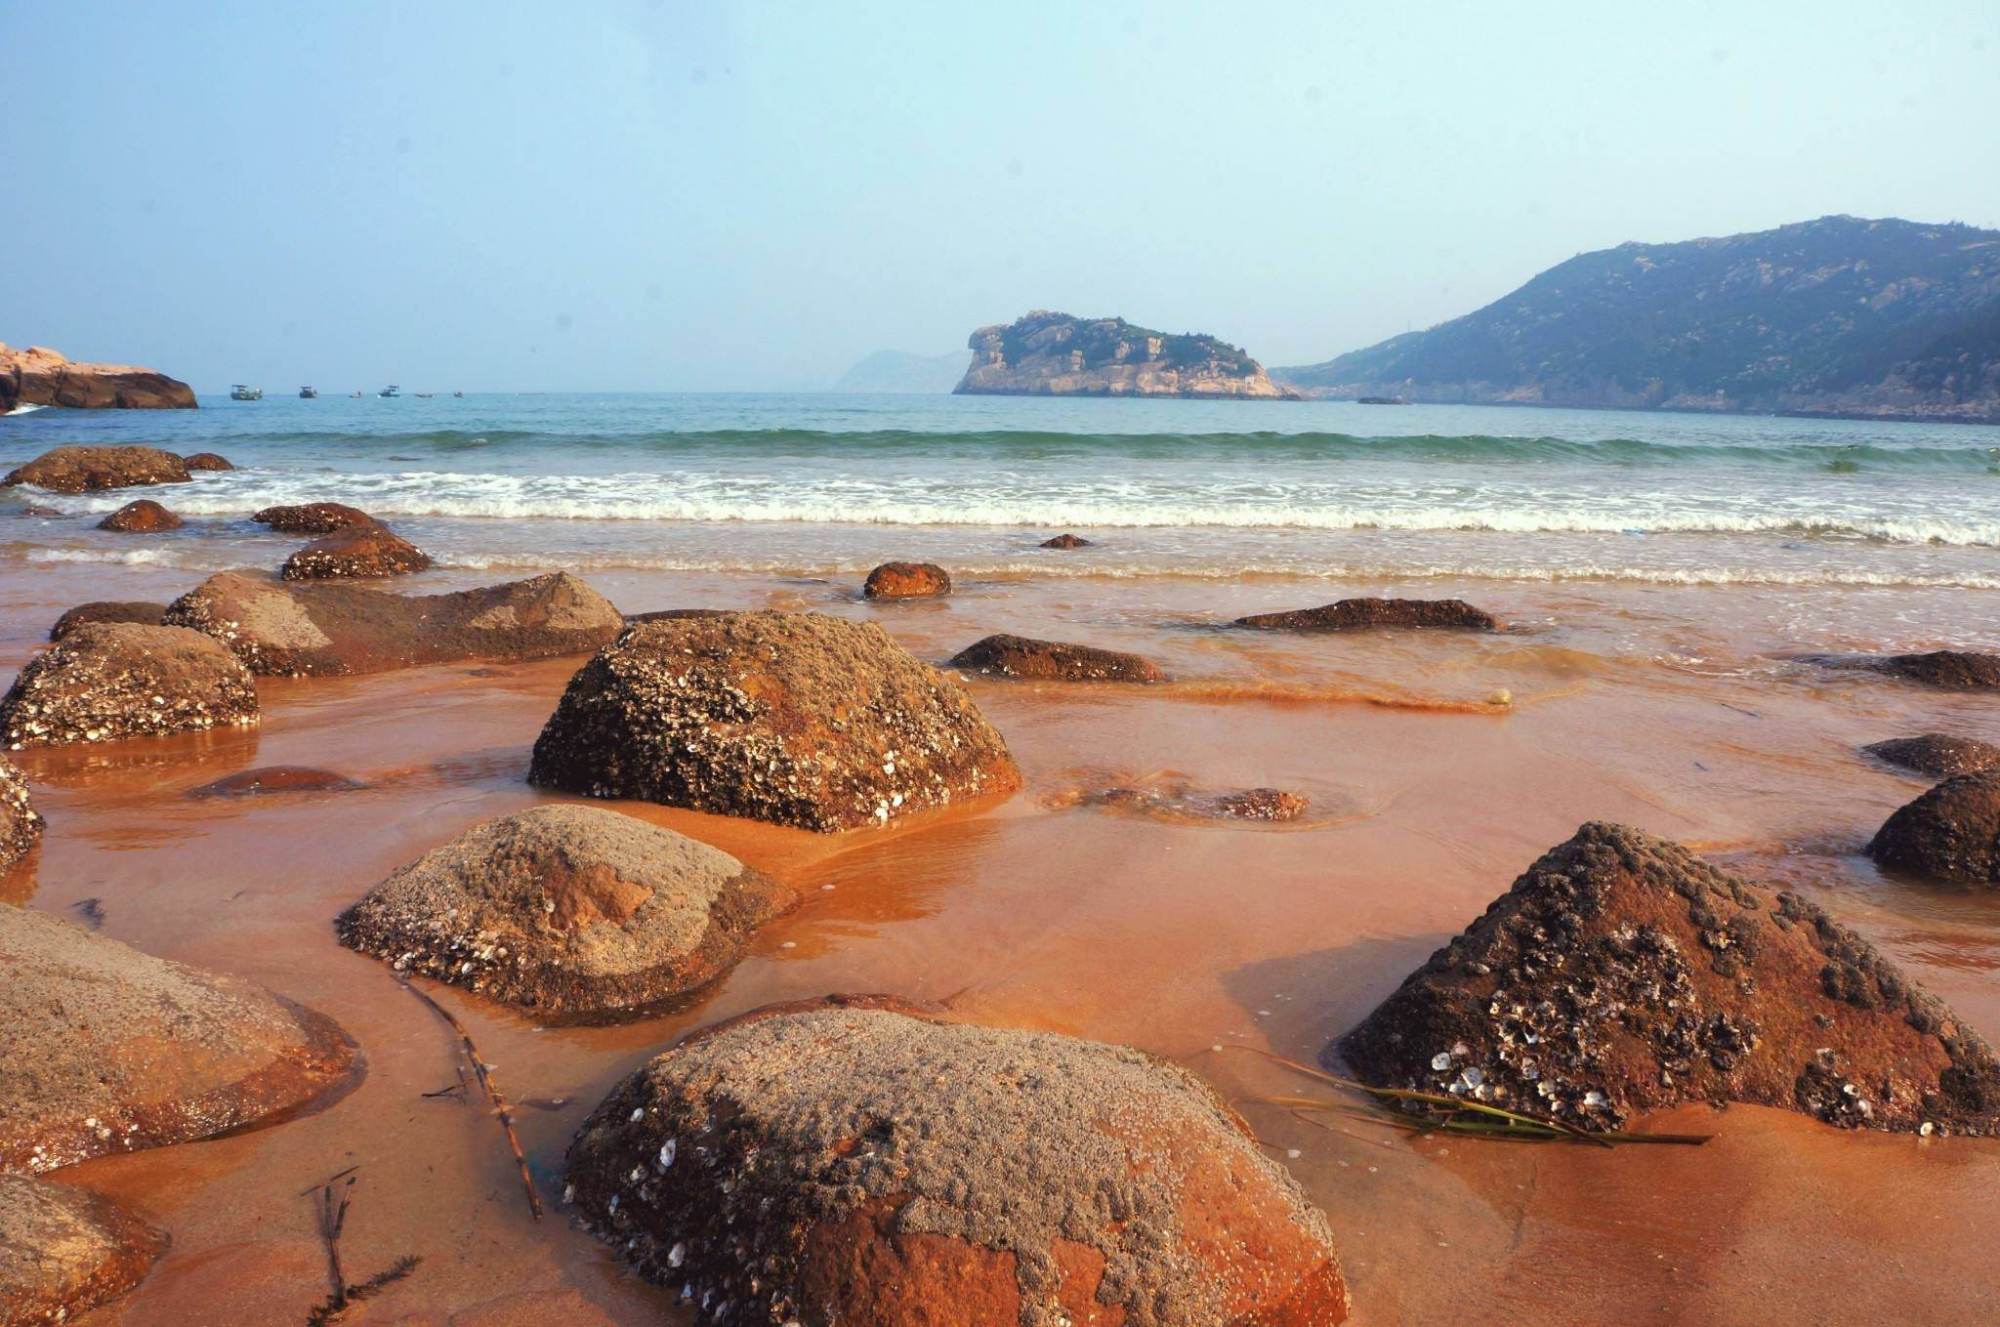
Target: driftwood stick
[501,1110]
[332,1219]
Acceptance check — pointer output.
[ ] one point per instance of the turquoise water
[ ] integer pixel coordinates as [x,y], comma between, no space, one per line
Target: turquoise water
[822,483]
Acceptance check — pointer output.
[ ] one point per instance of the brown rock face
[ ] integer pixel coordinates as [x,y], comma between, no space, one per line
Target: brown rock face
[1066,541]
[1048,660]
[862,1161]
[314,518]
[93,469]
[273,780]
[20,824]
[1363,614]
[794,718]
[1623,974]
[145,614]
[1937,754]
[207,461]
[569,909]
[907,580]
[142,517]
[109,680]
[310,630]
[111,1050]
[64,1250]
[358,551]
[1951,833]
[40,376]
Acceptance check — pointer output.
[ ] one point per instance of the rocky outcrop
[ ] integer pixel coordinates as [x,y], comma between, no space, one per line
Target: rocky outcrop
[112,1050]
[1366,614]
[1065,541]
[40,376]
[92,469]
[313,518]
[794,718]
[275,780]
[145,614]
[1054,661]
[1950,833]
[1053,354]
[142,517]
[20,824]
[1938,755]
[356,552]
[568,909]
[329,630]
[63,1251]
[907,580]
[200,462]
[1623,974]
[864,1161]
[104,681]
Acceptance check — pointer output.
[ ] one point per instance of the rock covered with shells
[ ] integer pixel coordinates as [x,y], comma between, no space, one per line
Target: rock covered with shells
[64,1250]
[794,718]
[1950,833]
[104,681]
[92,468]
[313,518]
[356,551]
[1939,755]
[20,823]
[862,1161]
[109,610]
[1622,974]
[1054,661]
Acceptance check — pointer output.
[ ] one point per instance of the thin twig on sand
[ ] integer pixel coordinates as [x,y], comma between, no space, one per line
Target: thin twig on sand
[331,1215]
[501,1111]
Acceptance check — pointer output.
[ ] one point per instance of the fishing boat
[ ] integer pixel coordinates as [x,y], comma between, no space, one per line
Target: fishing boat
[238,392]
[391,390]
[308,393]
[458,394]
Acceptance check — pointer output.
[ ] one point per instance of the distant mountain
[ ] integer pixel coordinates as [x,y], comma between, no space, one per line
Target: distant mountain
[1053,354]
[1839,316]
[899,371]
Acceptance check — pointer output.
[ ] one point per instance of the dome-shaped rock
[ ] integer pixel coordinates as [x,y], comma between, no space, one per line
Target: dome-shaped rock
[142,517]
[314,518]
[356,551]
[907,580]
[1950,833]
[92,468]
[110,680]
[1055,661]
[145,614]
[1937,754]
[200,462]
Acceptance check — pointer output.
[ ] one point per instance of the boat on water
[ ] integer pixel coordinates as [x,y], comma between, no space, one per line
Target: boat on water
[238,392]
[458,394]
[308,393]
[391,390]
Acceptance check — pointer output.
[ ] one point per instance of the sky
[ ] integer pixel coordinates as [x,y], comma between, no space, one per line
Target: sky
[635,195]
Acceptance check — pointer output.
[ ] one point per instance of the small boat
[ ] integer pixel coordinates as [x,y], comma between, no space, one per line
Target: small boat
[357,395]
[309,393]
[458,394]
[425,396]
[391,390]
[238,392]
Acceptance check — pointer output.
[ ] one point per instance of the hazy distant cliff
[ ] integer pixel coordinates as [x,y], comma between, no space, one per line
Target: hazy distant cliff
[1842,315]
[1053,354]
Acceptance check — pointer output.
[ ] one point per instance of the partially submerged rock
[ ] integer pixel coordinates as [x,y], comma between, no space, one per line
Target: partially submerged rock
[315,630]
[112,1050]
[142,517]
[569,909]
[91,469]
[64,1250]
[272,780]
[1364,614]
[1177,799]
[104,681]
[1950,833]
[207,461]
[20,824]
[1055,661]
[907,580]
[145,614]
[313,518]
[357,551]
[40,376]
[1939,755]
[1623,974]
[863,1161]
[795,718]
[1066,541]
[1947,670]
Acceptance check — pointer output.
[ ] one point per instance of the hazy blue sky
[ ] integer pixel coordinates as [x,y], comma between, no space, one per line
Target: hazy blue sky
[681,196]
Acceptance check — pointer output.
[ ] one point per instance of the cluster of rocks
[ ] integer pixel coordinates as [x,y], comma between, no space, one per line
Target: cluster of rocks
[104,681]
[348,543]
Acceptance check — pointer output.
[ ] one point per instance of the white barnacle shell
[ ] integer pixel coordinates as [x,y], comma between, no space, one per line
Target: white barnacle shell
[667,1151]
[677,1255]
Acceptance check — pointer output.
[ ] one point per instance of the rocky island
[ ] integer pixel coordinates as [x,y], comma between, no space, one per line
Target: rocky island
[1054,354]
[40,376]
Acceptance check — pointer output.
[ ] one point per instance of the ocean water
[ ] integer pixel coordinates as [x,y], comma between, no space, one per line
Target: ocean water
[825,484]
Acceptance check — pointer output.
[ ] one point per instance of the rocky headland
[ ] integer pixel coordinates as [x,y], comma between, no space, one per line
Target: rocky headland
[1054,354]
[40,376]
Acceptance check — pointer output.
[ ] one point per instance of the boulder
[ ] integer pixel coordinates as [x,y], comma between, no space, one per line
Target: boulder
[362,550]
[145,614]
[1623,974]
[314,518]
[20,824]
[207,461]
[1948,670]
[91,469]
[40,376]
[277,779]
[109,680]
[142,517]
[795,718]
[860,1160]
[1364,614]
[569,909]
[1054,661]
[1937,754]
[1066,541]
[112,1050]
[314,630]
[907,580]
[64,1250]
[1950,833]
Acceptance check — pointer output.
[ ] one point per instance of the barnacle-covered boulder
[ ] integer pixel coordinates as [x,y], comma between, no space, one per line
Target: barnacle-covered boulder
[907,580]
[112,1050]
[1950,833]
[1366,614]
[1939,755]
[20,823]
[107,610]
[93,468]
[1623,974]
[356,551]
[109,680]
[313,518]
[570,909]
[1054,661]
[864,1161]
[64,1250]
[795,718]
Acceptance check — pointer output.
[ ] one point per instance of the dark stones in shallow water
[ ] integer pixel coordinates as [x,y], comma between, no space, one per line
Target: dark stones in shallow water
[1177,801]
[1020,656]
[1950,833]
[907,580]
[20,824]
[1948,670]
[314,518]
[355,552]
[145,614]
[1937,754]
[1623,974]
[142,517]
[1364,614]
[64,1250]
[91,469]
[109,680]
[860,1160]
[1066,541]
[278,779]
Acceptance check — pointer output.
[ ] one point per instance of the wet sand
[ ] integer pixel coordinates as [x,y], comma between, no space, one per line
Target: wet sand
[1672,708]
